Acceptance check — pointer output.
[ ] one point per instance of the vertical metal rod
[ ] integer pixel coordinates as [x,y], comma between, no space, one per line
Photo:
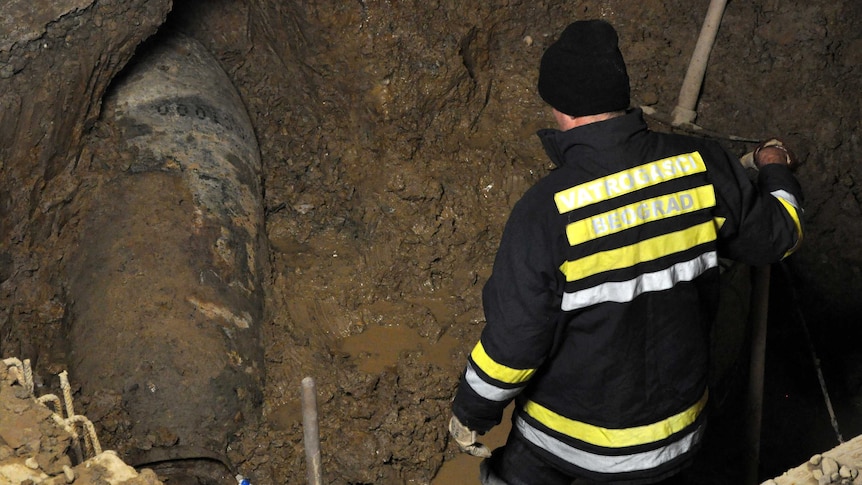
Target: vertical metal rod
[311,432]
[758,318]
[814,357]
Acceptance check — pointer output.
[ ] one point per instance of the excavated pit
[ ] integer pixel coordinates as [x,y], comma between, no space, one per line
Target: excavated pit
[394,138]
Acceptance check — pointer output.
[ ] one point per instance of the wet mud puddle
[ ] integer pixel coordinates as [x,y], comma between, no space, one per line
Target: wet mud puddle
[378,347]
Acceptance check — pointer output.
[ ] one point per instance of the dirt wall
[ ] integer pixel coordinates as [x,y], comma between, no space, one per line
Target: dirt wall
[395,136]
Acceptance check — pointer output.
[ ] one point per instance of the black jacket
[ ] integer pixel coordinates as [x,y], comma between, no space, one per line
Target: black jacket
[604,287]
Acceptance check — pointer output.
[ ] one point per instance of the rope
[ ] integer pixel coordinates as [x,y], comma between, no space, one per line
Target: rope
[28,376]
[67,394]
[22,373]
[58,406]
[90,438]
[814,358]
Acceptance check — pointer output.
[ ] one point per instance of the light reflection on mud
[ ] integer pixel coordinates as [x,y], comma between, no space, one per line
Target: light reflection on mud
[378,346]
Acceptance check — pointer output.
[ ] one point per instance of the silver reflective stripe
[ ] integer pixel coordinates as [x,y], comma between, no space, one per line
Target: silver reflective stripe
[623,291]
[787,196]
[489,391]
[609,464]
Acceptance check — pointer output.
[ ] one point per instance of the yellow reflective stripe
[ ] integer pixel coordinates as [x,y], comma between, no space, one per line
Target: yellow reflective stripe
[619,437]
[719,221]
[794,214]
[499,371]
[646,250]
[647,210]
[627,181]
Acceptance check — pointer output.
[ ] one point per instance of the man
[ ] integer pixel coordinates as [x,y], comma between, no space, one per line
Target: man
[606,281]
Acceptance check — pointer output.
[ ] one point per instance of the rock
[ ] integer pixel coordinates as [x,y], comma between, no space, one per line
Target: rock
[16,472]
[68,474]
[829,466]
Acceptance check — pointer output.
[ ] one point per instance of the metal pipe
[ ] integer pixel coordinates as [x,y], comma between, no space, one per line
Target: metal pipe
[311,432]
[166,281]
[684,112]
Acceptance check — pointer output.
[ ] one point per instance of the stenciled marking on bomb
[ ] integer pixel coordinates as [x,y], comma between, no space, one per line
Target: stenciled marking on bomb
[166,281]
[197,108]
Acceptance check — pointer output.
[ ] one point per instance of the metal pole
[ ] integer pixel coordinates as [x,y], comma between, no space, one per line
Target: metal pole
[311,432]
[758,318]
[814,357]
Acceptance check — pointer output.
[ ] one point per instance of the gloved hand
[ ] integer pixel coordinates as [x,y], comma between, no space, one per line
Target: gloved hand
[762,158]
[780,154]
[466,439]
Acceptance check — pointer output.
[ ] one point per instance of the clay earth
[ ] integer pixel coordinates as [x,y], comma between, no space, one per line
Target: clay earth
[395,136]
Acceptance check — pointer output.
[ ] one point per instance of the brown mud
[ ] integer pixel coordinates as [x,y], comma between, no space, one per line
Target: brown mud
[395,136]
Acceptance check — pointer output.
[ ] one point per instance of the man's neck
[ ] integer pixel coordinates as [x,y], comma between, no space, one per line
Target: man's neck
[567,122]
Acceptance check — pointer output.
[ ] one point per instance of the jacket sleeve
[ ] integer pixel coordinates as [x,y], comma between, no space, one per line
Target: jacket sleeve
[520,312]
[760,223]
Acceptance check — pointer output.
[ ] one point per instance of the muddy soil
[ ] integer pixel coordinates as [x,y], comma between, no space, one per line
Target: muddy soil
[395,136]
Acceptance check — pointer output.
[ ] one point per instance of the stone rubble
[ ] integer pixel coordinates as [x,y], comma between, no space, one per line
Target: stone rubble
[839,466]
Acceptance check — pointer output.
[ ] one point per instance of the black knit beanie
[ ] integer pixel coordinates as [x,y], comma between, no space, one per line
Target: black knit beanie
[583,72]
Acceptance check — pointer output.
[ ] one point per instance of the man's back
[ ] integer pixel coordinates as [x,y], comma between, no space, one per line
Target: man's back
[605,283]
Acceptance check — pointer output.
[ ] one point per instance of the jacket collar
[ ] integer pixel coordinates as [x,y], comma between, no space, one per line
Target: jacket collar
[586,141]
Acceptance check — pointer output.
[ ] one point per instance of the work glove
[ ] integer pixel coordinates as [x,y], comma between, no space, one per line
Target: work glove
[466,439]
[751,160]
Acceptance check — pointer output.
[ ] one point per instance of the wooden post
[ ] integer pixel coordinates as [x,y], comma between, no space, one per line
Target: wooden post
[754,408]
